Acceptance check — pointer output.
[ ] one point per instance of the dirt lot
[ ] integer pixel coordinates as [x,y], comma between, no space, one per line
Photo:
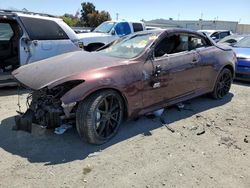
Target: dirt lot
[207,147]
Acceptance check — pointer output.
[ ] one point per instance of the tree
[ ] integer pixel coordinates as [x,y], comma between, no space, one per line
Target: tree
[87,8]
[90,17]
[70,19]
[95,19]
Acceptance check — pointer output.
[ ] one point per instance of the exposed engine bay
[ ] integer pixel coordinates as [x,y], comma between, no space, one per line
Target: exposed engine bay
[46,109]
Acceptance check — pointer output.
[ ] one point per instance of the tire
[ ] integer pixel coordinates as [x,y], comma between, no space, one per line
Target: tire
[98,117]
[223,84]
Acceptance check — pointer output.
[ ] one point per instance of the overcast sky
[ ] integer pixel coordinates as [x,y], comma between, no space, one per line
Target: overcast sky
[145,9]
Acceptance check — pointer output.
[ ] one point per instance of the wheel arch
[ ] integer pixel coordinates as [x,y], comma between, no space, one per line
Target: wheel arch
[227,66]
[94,44]
[230,67]
[124,98]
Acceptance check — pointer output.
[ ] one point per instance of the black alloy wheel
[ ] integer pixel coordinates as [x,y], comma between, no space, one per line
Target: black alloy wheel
[223,84]
[99,116]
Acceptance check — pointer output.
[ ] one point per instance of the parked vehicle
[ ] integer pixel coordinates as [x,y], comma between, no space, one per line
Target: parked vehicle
[242,50]
[108,32]
[152,28]
[137,74]
[231,39]
[216,35]
[81,29]
[26,37]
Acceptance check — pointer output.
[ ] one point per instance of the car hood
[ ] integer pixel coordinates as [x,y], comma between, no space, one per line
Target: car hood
[92,35]
[242,52]
[50,71]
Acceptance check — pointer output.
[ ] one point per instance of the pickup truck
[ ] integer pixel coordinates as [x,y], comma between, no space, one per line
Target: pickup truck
[108,32]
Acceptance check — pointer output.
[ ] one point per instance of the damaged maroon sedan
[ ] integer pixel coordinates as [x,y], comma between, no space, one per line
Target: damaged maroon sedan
[133,76]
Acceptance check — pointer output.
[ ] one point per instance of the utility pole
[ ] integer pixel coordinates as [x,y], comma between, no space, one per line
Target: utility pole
[117,16]
[201,24]
[201,16]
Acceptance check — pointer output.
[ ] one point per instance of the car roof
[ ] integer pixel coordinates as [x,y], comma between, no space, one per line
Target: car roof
[169,30]
[212,30]
[172,30]
[118,21]
[13,13]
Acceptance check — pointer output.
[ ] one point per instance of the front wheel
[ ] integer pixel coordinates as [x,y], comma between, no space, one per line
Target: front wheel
[223,84]
[98,118]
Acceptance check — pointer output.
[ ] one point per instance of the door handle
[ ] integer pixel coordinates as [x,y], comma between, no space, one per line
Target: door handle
[195,59]
[35,42]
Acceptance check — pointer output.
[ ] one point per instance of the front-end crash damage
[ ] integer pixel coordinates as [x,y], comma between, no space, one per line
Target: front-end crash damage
[46,108]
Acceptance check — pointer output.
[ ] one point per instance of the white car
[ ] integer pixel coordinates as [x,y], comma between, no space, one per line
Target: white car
[26,37]
[216,35]
[108,32]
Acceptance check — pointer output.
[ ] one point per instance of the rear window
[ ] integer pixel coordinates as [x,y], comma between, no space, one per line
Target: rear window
[40,29]
[6,32]
[137,27]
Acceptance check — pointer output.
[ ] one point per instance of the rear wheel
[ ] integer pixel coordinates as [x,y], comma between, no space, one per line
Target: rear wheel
[98,118]
[223,84]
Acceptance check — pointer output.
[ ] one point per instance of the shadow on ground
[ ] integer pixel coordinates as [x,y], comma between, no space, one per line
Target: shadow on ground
[7,91]
[52,149]
[242,83]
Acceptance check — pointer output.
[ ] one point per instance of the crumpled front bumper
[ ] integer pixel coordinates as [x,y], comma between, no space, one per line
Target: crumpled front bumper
[24,121]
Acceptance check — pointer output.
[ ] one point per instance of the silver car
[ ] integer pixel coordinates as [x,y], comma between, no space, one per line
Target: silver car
[26,37]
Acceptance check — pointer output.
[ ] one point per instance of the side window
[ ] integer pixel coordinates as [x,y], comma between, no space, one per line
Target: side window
[40,29]
[6,32]
[122,29]
[216,35]
[172,44]
[137,27]
[223,34]
[196,42]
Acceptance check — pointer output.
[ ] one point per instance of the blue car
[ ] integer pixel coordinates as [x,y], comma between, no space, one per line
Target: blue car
[242,50]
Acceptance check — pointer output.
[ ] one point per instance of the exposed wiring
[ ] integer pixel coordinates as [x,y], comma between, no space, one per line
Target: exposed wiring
[18,100]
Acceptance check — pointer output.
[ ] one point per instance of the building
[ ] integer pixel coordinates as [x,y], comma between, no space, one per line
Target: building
[235,27]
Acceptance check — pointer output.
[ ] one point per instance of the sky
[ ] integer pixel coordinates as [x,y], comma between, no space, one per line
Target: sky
[135,10]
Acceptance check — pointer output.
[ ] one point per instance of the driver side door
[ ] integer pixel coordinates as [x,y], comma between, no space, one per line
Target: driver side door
[178,75]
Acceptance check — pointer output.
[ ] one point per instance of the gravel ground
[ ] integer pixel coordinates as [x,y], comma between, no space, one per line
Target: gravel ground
[206,144]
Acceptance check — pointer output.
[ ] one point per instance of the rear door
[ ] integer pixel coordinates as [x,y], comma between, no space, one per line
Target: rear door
[45,39]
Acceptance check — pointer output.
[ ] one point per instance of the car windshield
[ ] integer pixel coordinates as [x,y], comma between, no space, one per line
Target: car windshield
[104,27]
[243,43]
[131,46]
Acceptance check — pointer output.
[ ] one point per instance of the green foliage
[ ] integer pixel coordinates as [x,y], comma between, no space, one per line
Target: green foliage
[90,17]
[71,20]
